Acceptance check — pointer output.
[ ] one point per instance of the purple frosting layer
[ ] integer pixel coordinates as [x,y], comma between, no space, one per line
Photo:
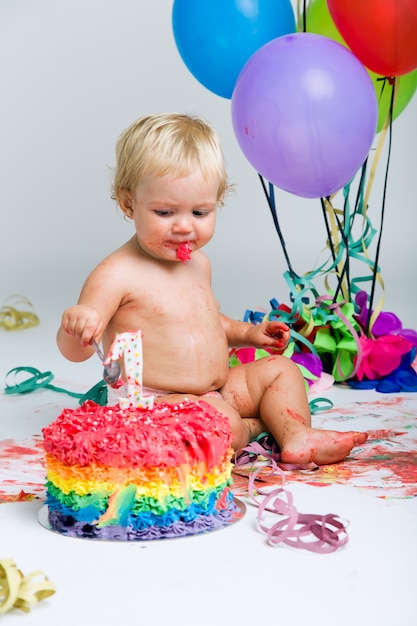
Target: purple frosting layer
[68,525]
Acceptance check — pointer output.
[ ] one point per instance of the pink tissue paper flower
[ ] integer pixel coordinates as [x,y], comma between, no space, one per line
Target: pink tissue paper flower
[381,356]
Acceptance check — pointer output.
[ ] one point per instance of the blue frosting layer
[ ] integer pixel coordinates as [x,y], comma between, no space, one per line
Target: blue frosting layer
[141,528]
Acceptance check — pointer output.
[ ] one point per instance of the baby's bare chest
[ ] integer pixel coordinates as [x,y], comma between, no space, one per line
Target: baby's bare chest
[178,302]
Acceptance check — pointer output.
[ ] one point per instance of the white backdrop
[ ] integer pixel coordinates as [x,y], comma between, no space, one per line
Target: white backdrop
[74,74]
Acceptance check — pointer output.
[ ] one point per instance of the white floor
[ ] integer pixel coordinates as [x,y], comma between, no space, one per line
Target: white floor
[228,577]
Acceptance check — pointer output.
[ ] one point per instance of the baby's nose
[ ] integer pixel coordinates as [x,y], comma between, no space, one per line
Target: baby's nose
[183,224]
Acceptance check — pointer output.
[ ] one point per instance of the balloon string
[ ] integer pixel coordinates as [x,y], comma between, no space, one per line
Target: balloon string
[326,223]
[325,204]
[346,265]
[361,186]
[302,13]
[378,247]
[347,219]
[386,126]
[344,273]
[271,203]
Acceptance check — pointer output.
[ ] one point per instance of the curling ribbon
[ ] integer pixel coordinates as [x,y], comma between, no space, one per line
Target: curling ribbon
[37,380]
[353,338]
[317,533]
[332,328]
[11,318]
[19,591]
[42,380]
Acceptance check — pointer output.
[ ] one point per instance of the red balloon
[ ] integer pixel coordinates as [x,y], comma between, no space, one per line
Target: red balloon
[381,33]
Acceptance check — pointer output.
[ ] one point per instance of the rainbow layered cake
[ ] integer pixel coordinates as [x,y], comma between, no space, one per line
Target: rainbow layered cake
[139,473]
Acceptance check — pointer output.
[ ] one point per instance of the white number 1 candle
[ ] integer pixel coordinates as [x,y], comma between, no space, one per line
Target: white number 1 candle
[129,345]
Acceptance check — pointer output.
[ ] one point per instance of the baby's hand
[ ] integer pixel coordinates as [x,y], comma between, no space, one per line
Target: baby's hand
[273,335]
[83,322]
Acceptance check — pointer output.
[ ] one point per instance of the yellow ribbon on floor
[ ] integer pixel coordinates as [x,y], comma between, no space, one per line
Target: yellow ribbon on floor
[13,318]
[19,591]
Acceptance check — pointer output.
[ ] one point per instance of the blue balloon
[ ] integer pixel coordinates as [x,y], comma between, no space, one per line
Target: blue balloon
[215,38]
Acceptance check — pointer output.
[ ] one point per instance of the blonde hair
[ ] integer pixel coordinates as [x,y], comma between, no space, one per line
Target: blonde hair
[168,143]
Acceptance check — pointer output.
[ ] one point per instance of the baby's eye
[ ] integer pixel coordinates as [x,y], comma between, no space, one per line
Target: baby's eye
[200,213]
[163,212]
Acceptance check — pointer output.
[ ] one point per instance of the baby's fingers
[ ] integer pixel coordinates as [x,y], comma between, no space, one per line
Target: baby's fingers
[80,328]
[82,322]
[278,330]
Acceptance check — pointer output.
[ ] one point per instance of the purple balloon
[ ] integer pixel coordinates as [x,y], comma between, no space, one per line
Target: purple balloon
[304,112]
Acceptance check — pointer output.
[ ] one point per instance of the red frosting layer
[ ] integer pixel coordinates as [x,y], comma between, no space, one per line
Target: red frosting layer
[167,435]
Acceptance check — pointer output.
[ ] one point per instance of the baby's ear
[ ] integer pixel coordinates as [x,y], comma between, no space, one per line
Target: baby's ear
[124,200]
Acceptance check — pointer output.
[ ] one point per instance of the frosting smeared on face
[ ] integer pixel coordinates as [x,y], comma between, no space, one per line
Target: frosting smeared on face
[184,251]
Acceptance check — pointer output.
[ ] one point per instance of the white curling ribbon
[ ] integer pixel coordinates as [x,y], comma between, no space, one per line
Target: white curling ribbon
[129,345]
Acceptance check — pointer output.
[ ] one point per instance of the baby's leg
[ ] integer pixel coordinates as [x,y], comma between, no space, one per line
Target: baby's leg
[273,390]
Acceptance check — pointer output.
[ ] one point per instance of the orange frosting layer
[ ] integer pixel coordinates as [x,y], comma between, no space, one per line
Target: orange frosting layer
[177,481]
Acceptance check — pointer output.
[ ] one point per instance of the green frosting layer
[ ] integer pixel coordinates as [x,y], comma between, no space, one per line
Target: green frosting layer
[98,500]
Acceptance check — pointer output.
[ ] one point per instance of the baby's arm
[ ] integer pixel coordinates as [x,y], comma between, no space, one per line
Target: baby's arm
[266,335]
[100,298]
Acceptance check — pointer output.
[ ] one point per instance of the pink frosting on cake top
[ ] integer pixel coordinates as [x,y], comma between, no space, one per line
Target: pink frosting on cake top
[165,436]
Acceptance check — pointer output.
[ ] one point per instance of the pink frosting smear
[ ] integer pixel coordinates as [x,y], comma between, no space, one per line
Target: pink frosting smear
[184,251]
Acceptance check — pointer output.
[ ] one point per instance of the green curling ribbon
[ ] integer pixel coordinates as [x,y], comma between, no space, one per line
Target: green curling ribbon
[36,380]
[320,404]
[330,329]
[42,380]
[342,340]
[98,394]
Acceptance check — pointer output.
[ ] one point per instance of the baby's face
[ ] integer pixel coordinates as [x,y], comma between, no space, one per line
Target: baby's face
[168,211]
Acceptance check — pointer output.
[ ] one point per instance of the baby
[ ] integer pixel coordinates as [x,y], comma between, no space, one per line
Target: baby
[169,180]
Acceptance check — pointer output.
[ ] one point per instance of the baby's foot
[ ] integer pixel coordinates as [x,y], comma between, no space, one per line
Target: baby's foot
[320,446]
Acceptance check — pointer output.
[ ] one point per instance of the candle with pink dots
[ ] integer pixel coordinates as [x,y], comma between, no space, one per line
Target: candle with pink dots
[129,345]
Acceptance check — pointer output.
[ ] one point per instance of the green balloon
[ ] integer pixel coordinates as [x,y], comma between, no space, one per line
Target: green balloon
[318,20]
